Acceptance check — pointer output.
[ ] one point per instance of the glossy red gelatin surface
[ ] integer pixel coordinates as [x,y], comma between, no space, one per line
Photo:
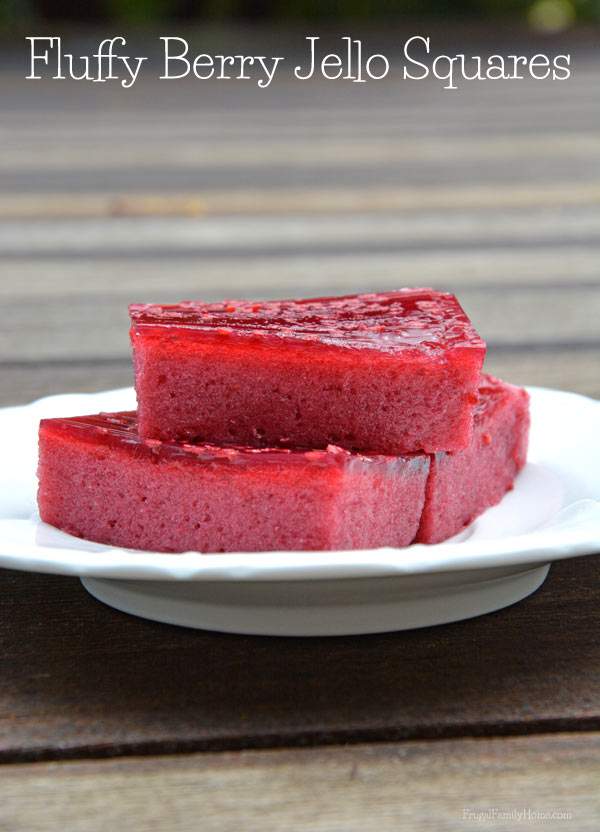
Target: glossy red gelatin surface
[98,480]
[462,485]
[386,373]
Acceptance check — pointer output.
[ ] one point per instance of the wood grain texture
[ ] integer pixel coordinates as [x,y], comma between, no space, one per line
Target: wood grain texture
[339,200]
[369,232]
[148,277]
[443,785]
[78,679]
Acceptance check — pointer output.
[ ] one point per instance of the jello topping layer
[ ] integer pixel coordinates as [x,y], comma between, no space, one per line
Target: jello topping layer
[388,322]
[118,429]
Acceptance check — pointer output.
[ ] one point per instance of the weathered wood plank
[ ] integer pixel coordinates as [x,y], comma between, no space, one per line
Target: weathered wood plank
[33,153]
[444,116]
[79,679]
[22,383]
[575,369]
[282,175]
[549,196]
[550,781]
[71,114]
[303,233]
[305,273]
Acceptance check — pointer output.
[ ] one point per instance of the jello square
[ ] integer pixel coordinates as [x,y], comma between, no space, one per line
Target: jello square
[100,481]
[462,485]
[387,373]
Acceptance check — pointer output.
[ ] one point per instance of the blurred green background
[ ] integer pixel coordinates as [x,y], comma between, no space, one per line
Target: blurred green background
[550,15]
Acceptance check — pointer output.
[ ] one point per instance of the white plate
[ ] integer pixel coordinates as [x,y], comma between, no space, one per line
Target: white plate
[553,513]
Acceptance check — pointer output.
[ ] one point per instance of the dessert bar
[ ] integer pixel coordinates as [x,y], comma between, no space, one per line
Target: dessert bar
[100,481]
[463,484]
[388,373]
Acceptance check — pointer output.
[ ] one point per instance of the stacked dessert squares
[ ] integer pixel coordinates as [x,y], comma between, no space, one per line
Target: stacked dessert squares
[331,423]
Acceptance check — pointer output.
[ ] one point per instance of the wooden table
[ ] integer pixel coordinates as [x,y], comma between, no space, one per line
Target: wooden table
[493,191]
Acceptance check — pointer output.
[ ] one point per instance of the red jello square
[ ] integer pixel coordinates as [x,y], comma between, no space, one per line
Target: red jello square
[100,481]
[461,485]
[388,373]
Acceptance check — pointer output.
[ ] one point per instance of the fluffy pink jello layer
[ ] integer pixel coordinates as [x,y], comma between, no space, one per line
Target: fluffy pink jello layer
[462,485]
[388,373]
[100,481]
